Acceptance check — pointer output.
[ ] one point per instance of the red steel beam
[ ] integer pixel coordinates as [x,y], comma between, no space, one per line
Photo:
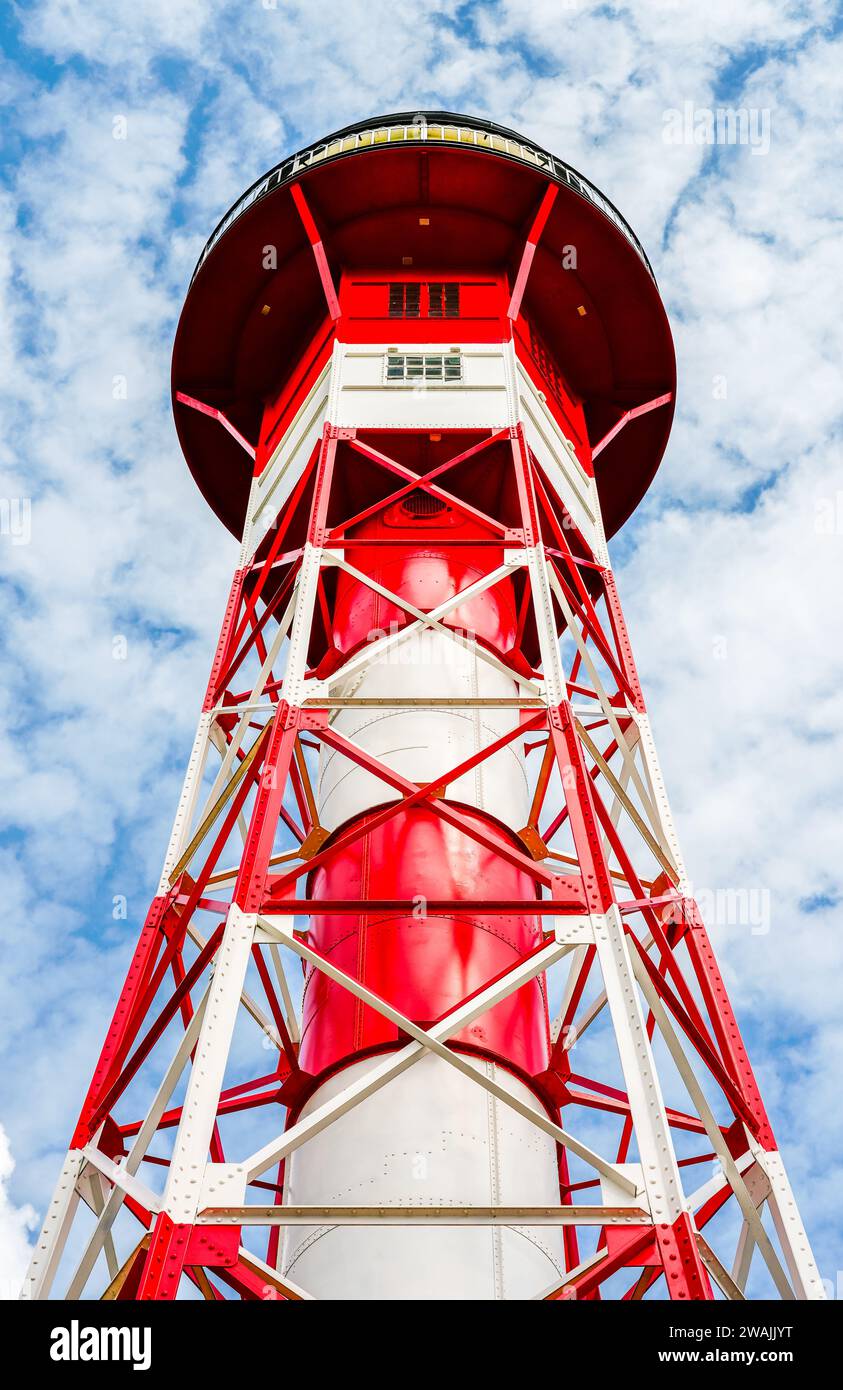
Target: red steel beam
[529,251]
[216,414]
[316,244]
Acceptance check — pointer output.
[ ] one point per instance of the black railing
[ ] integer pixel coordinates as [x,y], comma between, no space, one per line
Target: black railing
[423,127]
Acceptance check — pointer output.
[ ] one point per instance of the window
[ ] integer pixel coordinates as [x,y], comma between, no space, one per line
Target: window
[404,301]
[444,300]
[416,369]
[436,300]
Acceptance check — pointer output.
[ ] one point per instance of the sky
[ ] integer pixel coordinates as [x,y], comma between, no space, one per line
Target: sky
[128,129]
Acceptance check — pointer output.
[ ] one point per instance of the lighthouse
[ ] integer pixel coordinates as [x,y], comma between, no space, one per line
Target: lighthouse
[423,1007]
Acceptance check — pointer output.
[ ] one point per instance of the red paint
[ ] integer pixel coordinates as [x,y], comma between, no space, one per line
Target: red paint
[527,255]
[318,249]
[424,900]
[634,414]
[425,574]
[479,303]
[544,373]
[423,965]
[214,414]
[282,409]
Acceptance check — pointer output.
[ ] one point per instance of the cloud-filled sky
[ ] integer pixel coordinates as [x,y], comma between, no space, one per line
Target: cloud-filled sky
[730,572]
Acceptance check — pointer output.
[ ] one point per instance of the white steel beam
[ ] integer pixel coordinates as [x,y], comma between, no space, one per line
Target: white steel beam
[455,1059]
[374,651]
[789,1228]
[136,1154]
[51,1241]
[608,709]
[662,1176]
[715,1135]
[199,1112]
[396,1063]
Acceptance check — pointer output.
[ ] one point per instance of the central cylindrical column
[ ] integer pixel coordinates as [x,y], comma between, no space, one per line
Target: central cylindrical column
[431,1137]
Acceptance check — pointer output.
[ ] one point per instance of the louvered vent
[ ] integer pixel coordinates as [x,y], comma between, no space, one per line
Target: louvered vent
[421,504]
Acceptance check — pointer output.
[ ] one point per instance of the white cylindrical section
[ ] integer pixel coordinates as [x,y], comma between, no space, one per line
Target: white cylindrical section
[430,1137]
[422,744]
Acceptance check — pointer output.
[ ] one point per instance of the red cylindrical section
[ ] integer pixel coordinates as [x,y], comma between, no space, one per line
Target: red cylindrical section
[423,963]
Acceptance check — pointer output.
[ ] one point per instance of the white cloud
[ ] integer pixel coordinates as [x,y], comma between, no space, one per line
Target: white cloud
[120,34]
[16,1223]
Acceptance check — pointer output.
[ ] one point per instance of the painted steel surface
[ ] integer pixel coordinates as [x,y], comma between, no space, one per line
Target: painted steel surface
[424,574]
[423,743]
[429,1138]
[423,963]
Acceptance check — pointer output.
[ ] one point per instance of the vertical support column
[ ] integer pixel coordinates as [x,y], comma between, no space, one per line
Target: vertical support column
[188,799]
[165,1258]
[684,1270]
[169,1245]
[791,1231]
[52,1239]
[789,1227]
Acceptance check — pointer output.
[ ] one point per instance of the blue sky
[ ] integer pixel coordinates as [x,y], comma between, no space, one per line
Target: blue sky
[730,572]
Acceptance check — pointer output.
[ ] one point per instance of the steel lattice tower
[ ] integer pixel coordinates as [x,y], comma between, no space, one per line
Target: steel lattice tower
[423,1006]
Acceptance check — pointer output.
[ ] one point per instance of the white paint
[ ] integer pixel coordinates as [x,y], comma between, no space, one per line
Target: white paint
[287,462]
[431,1137]
[364,399]
[423,743]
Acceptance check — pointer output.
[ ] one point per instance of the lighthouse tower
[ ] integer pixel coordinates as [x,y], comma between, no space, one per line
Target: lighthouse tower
[423,1006]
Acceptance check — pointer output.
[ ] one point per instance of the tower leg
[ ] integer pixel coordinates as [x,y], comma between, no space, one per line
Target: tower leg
[49,1247]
